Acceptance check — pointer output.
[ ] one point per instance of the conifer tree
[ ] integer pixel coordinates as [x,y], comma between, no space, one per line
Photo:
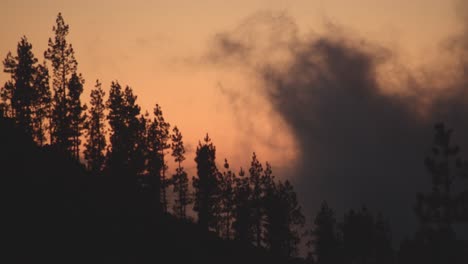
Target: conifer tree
[159,135]
[242,221]
[6,95]
[95,131]
[294,219]
[226,200]
[124,123]
[163,138]
[76,112]
[206,184]
[325,236]
[20,90]
[26,96]
[63,119]
[438,209]
[180,179]
[256,198]
[42,101]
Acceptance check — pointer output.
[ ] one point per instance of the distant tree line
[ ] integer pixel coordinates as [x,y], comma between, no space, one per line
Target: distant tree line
[131,149]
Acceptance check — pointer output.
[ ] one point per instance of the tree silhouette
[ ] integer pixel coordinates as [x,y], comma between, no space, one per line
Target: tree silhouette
[206,184]
[242,222]
[95,131]
[284,220]
[6,94]
[325,236]
[124,123]
[162,136]
[438,209]
[158,136]
[42,101]
[256,198]
[179,179]
[76,112]
[21,90]
[226,200]
[62,57]
[365,238]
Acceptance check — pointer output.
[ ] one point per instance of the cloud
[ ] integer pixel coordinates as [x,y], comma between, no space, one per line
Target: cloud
[362,140]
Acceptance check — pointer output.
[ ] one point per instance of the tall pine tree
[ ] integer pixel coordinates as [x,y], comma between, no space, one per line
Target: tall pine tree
[22,69]
[158,136]
[95,131]
[76,112]
[206,184]
[242,219]
[123,120]
[256,198]
[226,200]
[180,179]
[42,101]
[63,119]
[325,236]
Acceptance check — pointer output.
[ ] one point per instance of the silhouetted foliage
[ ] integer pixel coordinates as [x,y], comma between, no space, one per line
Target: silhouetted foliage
[226,201]
[366,240]
[206,184]
[157,143]
[284,220]
[95,144]
[26,95]
[442,207]
[325,237]
[67,86]
[42,104]
[6,94]
[180,179]
[242,222]
[77,114]
[256,199]
[435,241]
[123,120]
[161,137]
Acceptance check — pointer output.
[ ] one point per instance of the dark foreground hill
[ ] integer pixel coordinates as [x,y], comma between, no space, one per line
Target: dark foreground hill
[55,212]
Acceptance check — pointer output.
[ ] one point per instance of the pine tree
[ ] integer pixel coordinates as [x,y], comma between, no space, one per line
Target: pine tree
[6,94]
[283,219]
[42,101]
[164,135]
[227,203]
[76,112]
[325,236]
[95,131]
[158,140]
[256,198]
[124,123]
[62,57]
[242,221]
[180,179]
[142,147]
[206,184]
[438,209]
[21,91]
[295,218]
[357,230]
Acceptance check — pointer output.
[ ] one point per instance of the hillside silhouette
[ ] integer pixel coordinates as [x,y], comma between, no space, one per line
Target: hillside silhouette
[57,212]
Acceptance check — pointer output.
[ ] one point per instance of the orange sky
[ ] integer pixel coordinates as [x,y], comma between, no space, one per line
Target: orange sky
[155,47]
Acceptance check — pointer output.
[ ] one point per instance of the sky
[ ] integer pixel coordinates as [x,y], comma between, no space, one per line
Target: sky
[295,81]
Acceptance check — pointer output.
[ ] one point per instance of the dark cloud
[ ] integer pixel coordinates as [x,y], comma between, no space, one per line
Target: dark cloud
[359,143]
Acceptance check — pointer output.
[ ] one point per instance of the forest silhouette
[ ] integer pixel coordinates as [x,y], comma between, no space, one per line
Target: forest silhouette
[91,183]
